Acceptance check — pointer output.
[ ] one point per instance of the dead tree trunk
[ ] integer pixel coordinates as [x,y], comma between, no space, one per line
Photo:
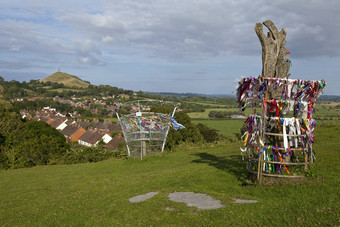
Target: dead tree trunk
[274,59]
[274,53]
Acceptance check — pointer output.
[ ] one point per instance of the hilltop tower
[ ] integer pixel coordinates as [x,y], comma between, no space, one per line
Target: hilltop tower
[58,69]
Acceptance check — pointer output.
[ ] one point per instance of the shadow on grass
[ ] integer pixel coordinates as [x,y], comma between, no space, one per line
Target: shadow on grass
[231,164]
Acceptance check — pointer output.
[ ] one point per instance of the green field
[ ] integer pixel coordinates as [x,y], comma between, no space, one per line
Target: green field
[322,112]
[328,112]
[112,119]
[226,127]
[96,194]
[204,115]
[213,105]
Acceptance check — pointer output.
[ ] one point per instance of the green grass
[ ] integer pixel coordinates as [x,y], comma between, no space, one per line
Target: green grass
[202,115]
[96,194]
[226,127]
[213,105]
[206,112]
[112,119]
[327,112]
[322,112]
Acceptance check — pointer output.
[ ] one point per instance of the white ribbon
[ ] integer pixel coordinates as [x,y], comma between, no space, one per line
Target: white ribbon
[289,88]
[285,139]
[292,130]
[298,131]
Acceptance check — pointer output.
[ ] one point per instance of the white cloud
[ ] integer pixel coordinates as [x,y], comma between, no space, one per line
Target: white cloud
[162,34]
[107,38]
[172,29]
[168,28]
[95,26]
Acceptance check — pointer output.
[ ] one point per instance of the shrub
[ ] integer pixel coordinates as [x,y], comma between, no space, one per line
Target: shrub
[190,134]
[221,114]
[210,135]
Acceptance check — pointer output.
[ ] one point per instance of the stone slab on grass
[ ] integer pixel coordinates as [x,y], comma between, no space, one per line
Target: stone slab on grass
[201,201]
[245,201]
[141,198]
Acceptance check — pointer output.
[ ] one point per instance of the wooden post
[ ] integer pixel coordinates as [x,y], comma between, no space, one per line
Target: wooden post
[262,138]
[144,148]
[306,161]
[259,169]
[306,157]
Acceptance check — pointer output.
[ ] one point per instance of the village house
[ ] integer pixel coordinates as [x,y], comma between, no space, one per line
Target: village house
[56,123]
[84,124]
[51,109]
[92,137]
[73,133]
[62,125]
[113,144]
[44,118]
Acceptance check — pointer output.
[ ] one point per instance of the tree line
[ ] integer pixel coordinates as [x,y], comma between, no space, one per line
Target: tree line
[222,114]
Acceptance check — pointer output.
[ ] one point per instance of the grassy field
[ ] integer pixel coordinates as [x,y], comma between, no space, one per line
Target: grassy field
[213,105]
[322,111]
[226,127]
[112,119]
[204,115]
[327,111]
[96,194]
[325,114]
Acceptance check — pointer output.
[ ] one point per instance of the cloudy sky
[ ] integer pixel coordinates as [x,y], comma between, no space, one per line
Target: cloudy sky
[200,46]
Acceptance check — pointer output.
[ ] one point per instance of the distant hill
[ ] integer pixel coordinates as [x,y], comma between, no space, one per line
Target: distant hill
[66,79]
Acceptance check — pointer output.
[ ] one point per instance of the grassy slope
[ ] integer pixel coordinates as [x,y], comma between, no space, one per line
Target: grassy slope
[97,194]
[67,79]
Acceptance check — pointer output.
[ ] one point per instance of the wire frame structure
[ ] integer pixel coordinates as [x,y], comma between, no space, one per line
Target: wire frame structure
[144,131]
[279,142]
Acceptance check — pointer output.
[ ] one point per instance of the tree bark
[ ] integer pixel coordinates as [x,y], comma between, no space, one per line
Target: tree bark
[274,53]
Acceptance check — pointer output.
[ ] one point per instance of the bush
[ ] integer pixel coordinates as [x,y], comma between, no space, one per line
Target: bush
[38,143]
[26,144]
[221,114]
[190,134]
[210,135]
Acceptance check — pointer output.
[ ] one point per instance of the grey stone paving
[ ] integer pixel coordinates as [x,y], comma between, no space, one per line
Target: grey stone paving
[141,198]
[245,201]
[201,201]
